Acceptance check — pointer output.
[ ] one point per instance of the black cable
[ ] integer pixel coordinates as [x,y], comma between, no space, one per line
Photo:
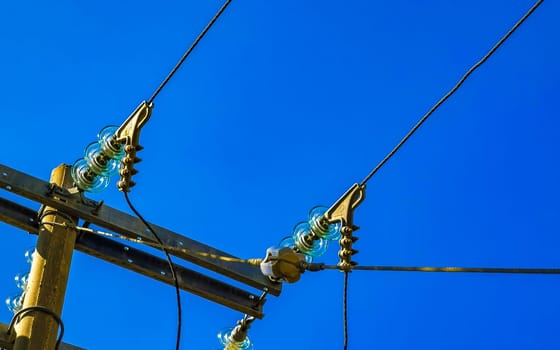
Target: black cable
[544,271]
[451,92]
[189,50]
[345,310]
[43,309]
[171,267]
[68,218]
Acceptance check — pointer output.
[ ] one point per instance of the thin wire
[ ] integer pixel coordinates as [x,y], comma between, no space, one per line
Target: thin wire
[43,309]
[545,271]
[172,249]
[319,266]
[188,52]
[171,267]
[451,92]
[345,310]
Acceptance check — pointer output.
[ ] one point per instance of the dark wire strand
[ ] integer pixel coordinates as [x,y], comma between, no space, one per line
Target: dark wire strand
[42,309]
[451,92]
[345,310]
[189,50]
[171,267]
[510,270]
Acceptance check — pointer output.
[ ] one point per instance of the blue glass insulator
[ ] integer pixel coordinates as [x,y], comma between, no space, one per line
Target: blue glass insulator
[86,180]
[330,232]
[14,302]
[311,247]
[287,242]
[98,162]
[29,255]
[21,280]
[224,337]
[290,243]
[109,147]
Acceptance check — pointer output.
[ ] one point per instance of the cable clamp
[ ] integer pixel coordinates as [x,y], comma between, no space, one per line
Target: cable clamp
[128,134]
[283,264]
[342,211]
[239,332]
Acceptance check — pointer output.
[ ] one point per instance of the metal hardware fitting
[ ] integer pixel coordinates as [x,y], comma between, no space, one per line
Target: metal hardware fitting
[128,134]
[283,264]
[239,332]
[342,211]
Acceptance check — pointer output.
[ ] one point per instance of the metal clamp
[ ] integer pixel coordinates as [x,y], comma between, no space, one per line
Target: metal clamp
[283,264]
[128,134]
[239,332]
[342,211]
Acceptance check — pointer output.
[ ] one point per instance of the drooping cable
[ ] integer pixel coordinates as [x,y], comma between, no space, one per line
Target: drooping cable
[451,92]
[345,310]
[189,50]
[510,270]
[171,267]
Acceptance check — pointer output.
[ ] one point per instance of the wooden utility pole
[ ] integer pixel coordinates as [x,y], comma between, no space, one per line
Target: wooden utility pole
[37,330]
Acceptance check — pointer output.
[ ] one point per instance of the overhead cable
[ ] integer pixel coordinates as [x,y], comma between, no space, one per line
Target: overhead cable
[189,50]
[451,92]
[171,267]
[545,271]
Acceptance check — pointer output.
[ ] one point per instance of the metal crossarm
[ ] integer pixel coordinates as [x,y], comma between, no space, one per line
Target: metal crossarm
[76,204]
[141,262]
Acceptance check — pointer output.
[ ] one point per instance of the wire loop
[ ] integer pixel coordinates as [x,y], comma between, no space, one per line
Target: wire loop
[69,221]
[23,312]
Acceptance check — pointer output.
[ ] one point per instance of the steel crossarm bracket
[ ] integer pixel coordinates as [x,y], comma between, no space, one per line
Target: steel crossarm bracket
[142,262]
[76,204]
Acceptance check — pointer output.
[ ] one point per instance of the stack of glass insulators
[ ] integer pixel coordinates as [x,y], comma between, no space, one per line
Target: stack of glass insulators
[101,161]
[228,343]
[312,237]
[15,301]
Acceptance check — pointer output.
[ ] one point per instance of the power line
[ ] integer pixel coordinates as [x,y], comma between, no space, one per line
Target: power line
[189,50]
[172,249]
[510,270]
[451,92]
[345,310]
[401,143]
[171,267]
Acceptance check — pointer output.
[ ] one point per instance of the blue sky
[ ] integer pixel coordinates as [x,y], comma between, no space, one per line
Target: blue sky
[283,106]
